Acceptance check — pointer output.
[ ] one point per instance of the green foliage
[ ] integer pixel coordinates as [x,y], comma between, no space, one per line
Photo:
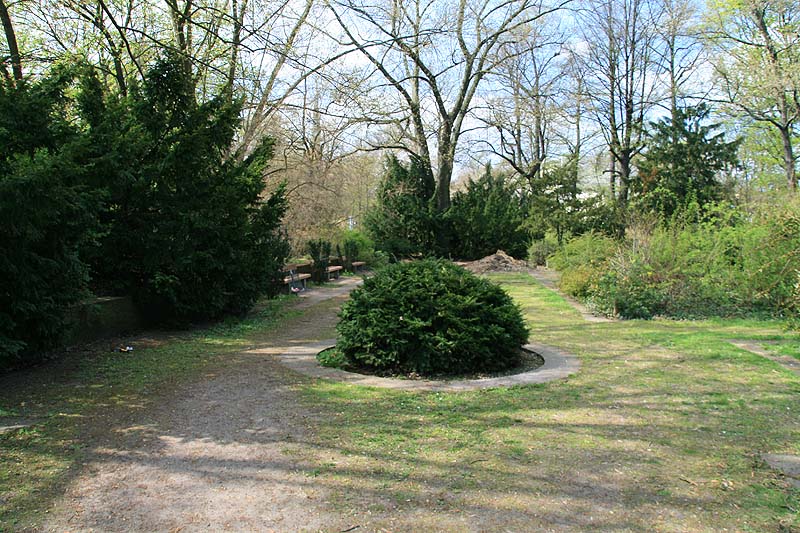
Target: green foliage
[430,317]
[682,162]
[723,264]
[132,194]
[488,216]
[332,358]
[558,207]
[320,252]
[541,249]
[591,249]
[773,257]
[555,203]
[581,261]
[350,247]
[365,248]
[189,232]
[403,222]
[47,216]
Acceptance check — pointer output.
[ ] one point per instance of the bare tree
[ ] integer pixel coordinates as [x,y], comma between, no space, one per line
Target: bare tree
[757,45]
[528,97]
[620,37]
[433,55]
[677,49]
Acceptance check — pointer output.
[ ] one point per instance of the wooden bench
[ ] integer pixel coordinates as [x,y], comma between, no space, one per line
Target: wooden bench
[358,265]
[295,279]
[332,271]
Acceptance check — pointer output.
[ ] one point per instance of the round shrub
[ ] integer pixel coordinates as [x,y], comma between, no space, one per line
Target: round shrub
[430,317]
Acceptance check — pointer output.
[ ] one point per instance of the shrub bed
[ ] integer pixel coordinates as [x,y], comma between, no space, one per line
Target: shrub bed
[430,317]
[729,263]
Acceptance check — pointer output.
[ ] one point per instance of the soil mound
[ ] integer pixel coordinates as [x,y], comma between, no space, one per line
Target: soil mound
[497,262]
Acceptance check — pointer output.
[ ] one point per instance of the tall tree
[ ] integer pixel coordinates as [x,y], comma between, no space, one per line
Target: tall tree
[519,117]
[433,56]
[683,161]
[757,51]
[677,49]
[620,35]
[14,56]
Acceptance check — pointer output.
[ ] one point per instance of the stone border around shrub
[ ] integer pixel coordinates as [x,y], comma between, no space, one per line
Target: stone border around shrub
[557,365]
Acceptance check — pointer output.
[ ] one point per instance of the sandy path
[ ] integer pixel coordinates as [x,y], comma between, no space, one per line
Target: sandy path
[216,456]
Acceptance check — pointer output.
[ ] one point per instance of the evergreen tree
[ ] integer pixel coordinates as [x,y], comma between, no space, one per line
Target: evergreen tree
[683,161]
[48,216]
[403,222]
[190,235]
[488,216]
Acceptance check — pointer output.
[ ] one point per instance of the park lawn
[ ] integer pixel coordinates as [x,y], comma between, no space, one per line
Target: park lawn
[661,430]
[86,393]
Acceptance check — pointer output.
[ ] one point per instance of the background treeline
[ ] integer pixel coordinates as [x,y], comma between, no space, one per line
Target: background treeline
[137,194]
[685,245]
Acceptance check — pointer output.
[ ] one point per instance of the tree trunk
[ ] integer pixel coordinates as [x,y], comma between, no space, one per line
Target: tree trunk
[624,179]
[785,128]
[788,159]
[237,16]
[11,40]
[612,175]
[443,178]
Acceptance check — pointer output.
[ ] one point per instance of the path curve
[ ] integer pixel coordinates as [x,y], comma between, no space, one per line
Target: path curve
[222,453]
[303,359]
[754,346]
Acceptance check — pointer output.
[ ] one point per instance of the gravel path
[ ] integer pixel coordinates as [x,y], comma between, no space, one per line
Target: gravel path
[218,455]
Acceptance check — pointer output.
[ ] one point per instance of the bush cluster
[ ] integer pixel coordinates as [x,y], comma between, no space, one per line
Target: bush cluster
[48,216]
[403,222]
[430,317]
[488,215]
[724,264]
[190,234]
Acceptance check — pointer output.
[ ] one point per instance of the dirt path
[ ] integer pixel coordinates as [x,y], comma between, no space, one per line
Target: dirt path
[219,454]
[790,363]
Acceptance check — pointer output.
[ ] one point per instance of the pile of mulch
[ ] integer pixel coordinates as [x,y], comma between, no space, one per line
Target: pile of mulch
[497,262]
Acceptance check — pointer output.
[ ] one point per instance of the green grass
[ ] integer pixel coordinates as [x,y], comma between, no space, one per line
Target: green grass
[660,431]
[64,398]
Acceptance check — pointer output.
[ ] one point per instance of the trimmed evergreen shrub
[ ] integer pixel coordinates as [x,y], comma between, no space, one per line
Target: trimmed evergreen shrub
[191,233]
[350,247]
[430,317]
[320,252]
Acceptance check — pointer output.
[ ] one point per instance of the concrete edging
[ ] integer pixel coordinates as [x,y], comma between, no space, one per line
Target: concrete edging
[557,365]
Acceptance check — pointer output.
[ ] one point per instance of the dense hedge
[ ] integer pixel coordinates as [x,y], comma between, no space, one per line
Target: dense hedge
[430,317]
[48,216]
[127,194]
[402,222]
[190,234]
